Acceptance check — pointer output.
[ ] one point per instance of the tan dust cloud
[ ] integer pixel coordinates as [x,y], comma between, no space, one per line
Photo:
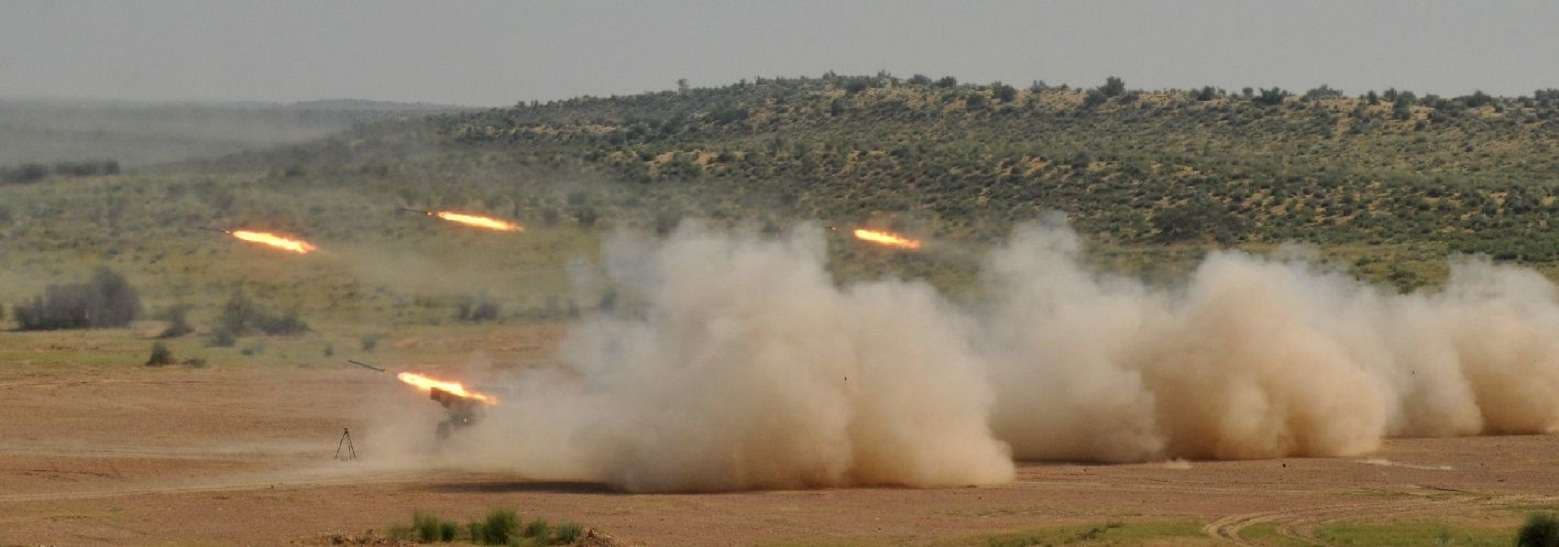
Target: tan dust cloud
[1257,357]
[749,368]
[743,365]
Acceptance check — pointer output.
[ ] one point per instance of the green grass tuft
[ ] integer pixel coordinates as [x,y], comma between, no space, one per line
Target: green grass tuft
[568,533]
[537,529]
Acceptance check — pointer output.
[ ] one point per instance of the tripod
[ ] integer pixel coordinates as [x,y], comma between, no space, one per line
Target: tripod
[346,442]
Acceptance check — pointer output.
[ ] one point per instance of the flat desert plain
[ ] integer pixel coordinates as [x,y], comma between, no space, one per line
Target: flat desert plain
[118,453]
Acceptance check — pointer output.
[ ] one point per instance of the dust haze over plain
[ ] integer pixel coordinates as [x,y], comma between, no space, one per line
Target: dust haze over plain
[496,53]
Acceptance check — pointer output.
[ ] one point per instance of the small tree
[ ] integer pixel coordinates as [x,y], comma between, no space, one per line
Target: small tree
[1003,92]
[1113,86]
[1476,99]
[1323,92]
[1271,97]
[947,82]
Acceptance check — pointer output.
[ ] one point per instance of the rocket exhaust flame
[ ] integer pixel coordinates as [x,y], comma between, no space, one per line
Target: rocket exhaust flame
[887,239]
[453,388]
[478,221]
[273,240]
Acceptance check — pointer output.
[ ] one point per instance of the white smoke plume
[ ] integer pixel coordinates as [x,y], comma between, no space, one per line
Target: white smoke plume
[749,367]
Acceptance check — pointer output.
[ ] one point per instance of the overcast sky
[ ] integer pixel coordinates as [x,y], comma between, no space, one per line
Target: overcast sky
[499,52]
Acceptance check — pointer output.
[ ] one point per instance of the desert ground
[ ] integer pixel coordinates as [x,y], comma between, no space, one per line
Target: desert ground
[110,451]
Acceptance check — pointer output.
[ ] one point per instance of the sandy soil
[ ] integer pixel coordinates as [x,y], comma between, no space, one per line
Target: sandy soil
[244,455]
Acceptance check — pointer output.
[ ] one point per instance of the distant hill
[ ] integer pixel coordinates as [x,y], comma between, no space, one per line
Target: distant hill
[1384,186]
[133,134]
[1474,173]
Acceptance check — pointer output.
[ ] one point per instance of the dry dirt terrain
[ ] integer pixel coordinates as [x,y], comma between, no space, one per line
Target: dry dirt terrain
[243,454]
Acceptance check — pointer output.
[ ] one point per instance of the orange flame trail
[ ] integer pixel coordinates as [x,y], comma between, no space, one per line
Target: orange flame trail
[273,240]
[429,384]
[478,221]
[889,239]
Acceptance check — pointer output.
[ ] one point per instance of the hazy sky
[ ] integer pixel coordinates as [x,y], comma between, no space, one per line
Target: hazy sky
[496,52]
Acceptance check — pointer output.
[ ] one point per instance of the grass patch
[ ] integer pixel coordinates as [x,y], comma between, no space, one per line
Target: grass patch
[1106,533]
[1413,533]
[501,527]
[1266,533]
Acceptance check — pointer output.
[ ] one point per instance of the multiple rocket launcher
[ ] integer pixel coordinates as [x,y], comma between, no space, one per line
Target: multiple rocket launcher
[463,406]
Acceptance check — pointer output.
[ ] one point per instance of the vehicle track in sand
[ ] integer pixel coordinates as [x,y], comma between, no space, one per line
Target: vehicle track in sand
[1300,525]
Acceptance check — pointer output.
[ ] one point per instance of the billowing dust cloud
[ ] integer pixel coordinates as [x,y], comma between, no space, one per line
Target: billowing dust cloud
[1257,358]
[750,368]
[746,366]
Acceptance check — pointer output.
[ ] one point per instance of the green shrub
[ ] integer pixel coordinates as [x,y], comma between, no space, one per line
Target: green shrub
[161,355]
[256,348]
[370,341]
[1271,97]
[1540,530]
[426,525]
[401,533]
[477,309]
[222,338]
[178,322]
[107,300]
[241,315]
[500,525]
[1003,92]
[1113,86]
[568,533]
[537,529]
[1094,98]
